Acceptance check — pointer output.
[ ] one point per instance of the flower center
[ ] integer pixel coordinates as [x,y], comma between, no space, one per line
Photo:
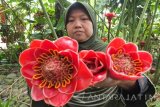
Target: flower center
[122,62]
[94,65]
[53,69]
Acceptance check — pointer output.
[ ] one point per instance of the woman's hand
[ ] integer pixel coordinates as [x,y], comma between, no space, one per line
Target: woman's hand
[110,82]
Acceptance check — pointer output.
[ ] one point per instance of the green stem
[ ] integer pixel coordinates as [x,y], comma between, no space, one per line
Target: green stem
[134,21]
[122,17]
[103,21]
[150,30]
[61,5]
[157,73]
[140,21]
[48,19]
[109,30]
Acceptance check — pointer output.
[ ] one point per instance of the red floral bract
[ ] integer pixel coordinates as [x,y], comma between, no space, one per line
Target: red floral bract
[124,60]
[53,70]
[95,62]
[110,16]
[104,39]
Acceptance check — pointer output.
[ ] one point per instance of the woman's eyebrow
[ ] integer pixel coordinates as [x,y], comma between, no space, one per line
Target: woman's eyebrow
[72,16]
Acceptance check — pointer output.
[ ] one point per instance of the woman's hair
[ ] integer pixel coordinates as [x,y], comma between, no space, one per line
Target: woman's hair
[76,6]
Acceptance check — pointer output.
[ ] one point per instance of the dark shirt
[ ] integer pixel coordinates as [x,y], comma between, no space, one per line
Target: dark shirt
[111,97]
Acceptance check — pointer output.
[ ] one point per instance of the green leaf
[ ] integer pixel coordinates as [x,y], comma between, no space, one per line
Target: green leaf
[1,103]
[51,1]
[7,103]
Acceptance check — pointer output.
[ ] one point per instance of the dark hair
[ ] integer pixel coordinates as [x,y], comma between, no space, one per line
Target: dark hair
[76,6]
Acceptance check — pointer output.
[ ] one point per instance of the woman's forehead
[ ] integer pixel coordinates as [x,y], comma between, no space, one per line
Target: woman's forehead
[77,11]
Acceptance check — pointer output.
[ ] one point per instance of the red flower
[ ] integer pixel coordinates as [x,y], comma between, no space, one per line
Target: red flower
[110,16]
[53,70]
[124,60]
[2,17]
[95,61]
[142,44]
[104,39]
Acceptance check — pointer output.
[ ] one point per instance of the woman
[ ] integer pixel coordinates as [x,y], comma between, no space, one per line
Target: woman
[80,23]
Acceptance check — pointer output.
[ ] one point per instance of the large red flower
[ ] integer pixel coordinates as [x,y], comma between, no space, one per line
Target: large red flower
[124,60]
[53,70]
[95,62]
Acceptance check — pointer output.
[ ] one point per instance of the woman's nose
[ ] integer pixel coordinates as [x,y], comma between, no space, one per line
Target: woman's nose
[78,24]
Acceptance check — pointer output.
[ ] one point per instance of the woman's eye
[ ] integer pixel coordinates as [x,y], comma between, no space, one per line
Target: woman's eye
[70,20]
[84,18]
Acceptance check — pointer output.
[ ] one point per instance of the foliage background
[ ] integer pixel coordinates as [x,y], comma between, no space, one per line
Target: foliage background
[21,21]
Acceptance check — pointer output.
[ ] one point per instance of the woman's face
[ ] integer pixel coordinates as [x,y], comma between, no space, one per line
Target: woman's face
[79,26]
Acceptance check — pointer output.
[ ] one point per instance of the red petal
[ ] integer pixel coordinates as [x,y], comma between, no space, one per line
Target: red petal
[84,77]
[50,92]
[99,77]
[29,83]
[47,101]
[145,56]
[60,99]
[36,82]
[130,47]
[27,71]
[108,61]
[64,43]
[70,88]
[101,57]
[75,71]
[109,52]
[146,59]
[146,65]
[35,43]
[90,54]
[47,44]
[73,56]
[26,56]
[122,76]
[134,55]
[83,53]
[36,93]
[39,51]
[116,43]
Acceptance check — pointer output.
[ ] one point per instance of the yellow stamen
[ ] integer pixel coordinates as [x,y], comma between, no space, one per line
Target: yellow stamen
[36,68]
[64,83]
[53,52]
[137,62]
[114,57]
[139,69]
[40,60]
[57,85]
[67,81]
[43,84]
[69,76]
[37,76]
[129,73]
[50,84]
[115,67]
[44,56]
[66,59]
[70,66]
[119,51]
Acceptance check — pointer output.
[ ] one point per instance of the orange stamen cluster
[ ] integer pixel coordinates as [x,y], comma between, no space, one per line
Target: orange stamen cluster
[53,69]
[122,62]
